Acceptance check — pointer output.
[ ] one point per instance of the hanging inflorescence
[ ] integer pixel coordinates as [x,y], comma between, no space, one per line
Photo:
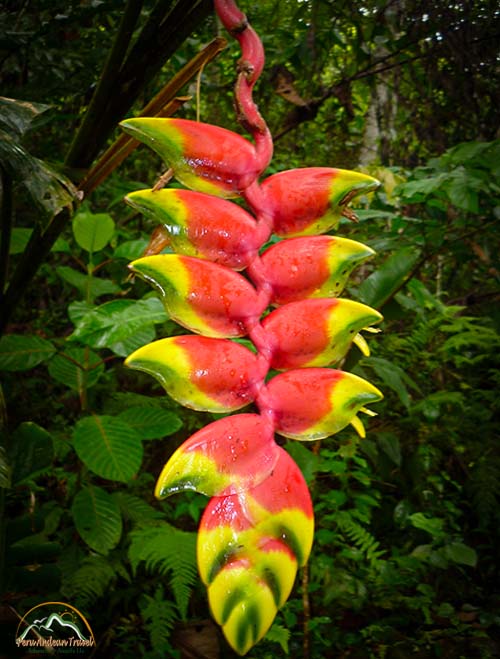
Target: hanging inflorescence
[258,526]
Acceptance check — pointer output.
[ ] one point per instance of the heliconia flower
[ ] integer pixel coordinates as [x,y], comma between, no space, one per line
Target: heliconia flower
[206,374]
[312,266]
[203,157]
[312,200]
[228,456]
[201,225]
[316,332]
[313,403]
[204,297]
[249,548]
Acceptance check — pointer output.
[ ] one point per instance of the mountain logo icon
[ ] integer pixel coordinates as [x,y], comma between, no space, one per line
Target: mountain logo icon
[56,627]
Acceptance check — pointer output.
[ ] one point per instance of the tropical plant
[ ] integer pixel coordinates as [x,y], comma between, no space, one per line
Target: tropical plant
[257,528]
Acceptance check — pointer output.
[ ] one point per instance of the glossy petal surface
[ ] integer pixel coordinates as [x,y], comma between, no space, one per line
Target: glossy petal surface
[315,332]
[211,375]
[229,455]
[312,266]
[203,157]
[313,403]
[201,225]
[249,547]
[204,297]
[311,200]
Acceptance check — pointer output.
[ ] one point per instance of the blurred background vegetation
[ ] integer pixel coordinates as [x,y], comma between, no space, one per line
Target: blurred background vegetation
[406,548]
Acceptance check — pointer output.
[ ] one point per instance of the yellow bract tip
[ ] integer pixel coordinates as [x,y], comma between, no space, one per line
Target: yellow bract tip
[358,427]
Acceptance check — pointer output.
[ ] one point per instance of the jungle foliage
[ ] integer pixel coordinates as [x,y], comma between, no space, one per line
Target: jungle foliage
[407,521]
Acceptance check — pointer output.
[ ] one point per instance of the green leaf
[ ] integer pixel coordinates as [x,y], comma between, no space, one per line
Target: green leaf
[151,422]
[136,509]
[84,283]
[393,377]
[93,231]
[167,550]
[432,525]
[108,446]
[389,444]
[115,322]
[78,310]
[159,615]
[32,451]
[131,249]
[141,337]
[18,116]
[77,368]
[421,188]
[49,190]
[462,554]
[279,634]
[392,275]
[97,518]
[462,191]
[21,352]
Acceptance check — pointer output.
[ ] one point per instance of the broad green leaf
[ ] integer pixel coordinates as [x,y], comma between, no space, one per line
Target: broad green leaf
[87,284]
[421,188]
[462,192]
[392,275]
[462,554]
[97,518]
[93,231]
[77,368]
[432,525]
[151,422]
[48,189]
[466,151]
[108,446]
[17,116]
[78,310]
[118,321]
[145,334]
[32,451]
[131,249]
[20,353]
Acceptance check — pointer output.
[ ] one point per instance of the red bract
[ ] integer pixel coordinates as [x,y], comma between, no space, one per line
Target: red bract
[258,527]
[202,226]
[312,200]
[204,297]
[314,266]
[203,157]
